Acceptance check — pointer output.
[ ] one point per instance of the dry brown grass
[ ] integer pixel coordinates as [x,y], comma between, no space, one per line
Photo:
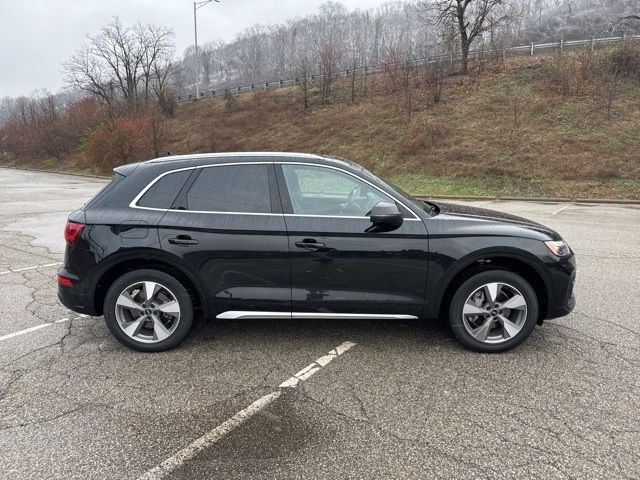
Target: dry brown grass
[471,132]
[559,135]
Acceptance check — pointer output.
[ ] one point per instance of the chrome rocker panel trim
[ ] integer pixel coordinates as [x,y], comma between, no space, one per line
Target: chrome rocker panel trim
[245,314]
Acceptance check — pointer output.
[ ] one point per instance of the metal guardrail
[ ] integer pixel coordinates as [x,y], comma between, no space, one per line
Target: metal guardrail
[530,49]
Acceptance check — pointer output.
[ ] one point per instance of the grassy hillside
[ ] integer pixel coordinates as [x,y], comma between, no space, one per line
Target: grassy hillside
[556,126]
[507,132]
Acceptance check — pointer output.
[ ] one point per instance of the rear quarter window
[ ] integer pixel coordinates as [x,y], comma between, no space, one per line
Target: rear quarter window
[164,191]
[117,178]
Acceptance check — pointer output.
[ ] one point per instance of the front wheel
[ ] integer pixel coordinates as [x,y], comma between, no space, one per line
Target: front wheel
[493,311]
[148,310]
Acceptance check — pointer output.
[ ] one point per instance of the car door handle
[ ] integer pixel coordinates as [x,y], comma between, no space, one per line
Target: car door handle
[183,240]
[310,244]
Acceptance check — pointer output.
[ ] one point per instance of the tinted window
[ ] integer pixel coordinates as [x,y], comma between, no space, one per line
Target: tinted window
[233,188]
[325,191]
[164,191]
[117,178]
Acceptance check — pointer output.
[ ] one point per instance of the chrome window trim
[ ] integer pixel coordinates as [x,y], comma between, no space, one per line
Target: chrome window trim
[336,217]
[134,202]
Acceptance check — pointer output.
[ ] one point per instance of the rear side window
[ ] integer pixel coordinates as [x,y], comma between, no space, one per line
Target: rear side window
[164,191]
[117,178]
[232,188]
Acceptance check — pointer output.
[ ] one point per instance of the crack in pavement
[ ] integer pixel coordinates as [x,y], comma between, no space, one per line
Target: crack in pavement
[591,317]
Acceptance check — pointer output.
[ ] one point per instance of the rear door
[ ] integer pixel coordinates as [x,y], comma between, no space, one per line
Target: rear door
[227,228]
[340,266]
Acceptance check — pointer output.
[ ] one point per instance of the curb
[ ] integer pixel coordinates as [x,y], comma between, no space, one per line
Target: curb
[614,201]
[87,175]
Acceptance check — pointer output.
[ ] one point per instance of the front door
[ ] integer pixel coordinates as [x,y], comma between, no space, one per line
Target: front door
[338,264]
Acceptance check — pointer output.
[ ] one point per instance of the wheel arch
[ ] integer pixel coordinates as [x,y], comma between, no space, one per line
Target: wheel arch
[514,260]
[114,268]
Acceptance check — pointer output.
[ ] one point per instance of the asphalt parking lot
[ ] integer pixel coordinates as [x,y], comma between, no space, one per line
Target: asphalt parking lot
[405,401]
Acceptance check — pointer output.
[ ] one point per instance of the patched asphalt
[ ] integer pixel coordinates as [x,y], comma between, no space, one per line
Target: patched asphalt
[406,402]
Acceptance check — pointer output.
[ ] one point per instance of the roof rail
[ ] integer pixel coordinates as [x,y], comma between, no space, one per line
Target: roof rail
[195,156]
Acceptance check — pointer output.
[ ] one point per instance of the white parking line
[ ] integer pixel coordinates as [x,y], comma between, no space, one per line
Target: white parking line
[309,370]
[33,329]
[218,433]
[209,438]
[26,330]
[560,210]
[5,272]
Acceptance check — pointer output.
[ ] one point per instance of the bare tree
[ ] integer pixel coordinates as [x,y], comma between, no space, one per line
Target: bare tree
[471,18]
[207,53]
[302,73]
[157,132]
[229,101]
[86,72]
[609,85]
[328,61]
[118,49]
[356,55]
[392,68]
[122,62]
[163,71]
[518,98]
[156,45]
[435,74]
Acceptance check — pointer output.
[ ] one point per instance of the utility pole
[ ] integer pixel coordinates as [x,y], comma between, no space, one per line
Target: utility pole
[196,6]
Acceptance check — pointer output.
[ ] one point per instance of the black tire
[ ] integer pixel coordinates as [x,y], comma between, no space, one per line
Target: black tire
[469,287]
[174,286]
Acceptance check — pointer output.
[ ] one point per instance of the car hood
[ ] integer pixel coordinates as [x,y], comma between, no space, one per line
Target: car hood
[492,219]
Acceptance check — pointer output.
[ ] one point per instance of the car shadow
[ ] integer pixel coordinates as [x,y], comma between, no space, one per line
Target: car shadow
[336,330]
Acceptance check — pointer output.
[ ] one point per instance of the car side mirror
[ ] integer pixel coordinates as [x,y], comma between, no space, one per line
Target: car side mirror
[384,214]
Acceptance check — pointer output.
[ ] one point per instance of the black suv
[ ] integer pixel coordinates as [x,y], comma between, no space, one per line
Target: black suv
[275,235]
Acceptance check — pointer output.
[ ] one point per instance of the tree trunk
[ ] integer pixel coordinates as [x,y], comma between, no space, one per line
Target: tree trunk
[353,85]
[464,68]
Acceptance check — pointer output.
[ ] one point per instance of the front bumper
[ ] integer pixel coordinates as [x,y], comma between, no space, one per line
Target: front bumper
[564,304]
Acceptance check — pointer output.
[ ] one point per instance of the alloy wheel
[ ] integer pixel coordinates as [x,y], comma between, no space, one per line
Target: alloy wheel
[494,313]
[147,312]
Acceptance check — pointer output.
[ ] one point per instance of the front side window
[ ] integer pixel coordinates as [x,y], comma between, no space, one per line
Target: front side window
[163,192]
[231,188]
[315,190]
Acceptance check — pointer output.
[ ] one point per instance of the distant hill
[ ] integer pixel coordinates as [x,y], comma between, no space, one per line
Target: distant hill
[513,131]
[546,126]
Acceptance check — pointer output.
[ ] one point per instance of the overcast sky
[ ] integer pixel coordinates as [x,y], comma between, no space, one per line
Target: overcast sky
[36,36]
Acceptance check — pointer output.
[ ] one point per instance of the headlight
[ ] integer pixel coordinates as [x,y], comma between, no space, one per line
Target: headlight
[559,248]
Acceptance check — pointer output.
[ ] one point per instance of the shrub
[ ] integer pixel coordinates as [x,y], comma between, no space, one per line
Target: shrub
[424,134]
[569,74]
[624,60]
[120,141]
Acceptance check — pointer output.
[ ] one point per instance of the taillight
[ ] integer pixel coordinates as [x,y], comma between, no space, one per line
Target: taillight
[65,281]
[72,232]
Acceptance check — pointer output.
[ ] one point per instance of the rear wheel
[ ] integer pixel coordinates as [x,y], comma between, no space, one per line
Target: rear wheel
[148,310]
[493,311]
